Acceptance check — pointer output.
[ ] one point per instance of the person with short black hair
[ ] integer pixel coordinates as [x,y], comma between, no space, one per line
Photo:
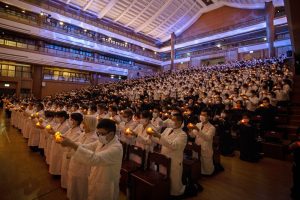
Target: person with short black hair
[105,157]
[173,141]
[55,159]
[204,133]
[73,134]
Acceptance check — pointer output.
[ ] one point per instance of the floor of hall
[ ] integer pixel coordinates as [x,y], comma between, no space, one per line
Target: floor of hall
[24,175]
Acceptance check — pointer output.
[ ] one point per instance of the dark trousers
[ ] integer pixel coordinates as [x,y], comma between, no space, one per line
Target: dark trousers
[296,182]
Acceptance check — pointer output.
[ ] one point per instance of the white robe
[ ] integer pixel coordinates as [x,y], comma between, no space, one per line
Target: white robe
[78,173]
[205,139]
[57,151]
[105,173]
[34,134]
[173,142]
[73,134]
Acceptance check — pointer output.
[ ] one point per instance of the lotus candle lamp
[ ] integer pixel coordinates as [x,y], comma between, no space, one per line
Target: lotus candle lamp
[58,137]
[149,131]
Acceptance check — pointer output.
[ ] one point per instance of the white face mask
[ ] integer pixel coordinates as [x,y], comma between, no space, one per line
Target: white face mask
[202,118]
[102,139]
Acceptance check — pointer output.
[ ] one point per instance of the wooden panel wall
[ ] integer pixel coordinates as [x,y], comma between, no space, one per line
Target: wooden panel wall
[220,18]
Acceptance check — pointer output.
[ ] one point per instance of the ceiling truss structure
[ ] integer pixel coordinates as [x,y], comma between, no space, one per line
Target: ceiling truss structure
[159,18]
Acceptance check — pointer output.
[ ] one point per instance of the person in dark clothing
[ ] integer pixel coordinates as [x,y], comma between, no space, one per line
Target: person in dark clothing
[294,147]
[223,129]
[248,144]
[267,113]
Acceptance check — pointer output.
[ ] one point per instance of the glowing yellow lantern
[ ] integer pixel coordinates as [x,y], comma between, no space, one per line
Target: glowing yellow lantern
[38,124]
[149,131]
[37,114]
[48,127]
[127,131]
[190,125]
[58,137]
[32,115]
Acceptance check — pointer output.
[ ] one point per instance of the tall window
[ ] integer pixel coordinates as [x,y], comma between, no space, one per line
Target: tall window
[60,74]
[11,69]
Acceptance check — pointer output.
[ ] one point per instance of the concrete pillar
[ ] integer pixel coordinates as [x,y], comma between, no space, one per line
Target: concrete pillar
[173,37]
[293,16]
[270,13]
[37,77]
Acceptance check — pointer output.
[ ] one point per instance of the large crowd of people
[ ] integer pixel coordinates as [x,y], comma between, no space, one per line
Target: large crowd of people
[219,108]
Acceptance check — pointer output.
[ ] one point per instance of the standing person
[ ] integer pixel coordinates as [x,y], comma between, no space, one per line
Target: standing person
[105,157]
[204,133]
[78,172]
[295,148]
[73,134]
[248,144]
[173,141]
[56,153]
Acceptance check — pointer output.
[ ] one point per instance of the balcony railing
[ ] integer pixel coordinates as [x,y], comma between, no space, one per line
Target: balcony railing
[63,54]
[228,28]
[47,5]
[53,25]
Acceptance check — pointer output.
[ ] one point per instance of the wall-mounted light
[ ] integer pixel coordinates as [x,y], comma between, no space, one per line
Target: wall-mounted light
[6,85]
[85,30]
[61,23]
[42,14]
[23,11]
[265,39]
[250,51]
[218,45]
[6,6]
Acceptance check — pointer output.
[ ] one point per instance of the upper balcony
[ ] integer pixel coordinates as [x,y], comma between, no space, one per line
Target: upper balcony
[44,21]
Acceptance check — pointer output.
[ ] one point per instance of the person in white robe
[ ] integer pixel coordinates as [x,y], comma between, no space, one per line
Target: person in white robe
[173,141]
[105,157]
[127,124]
[78,172]
[156,121]
[34,135]
[204,133]
[56,149]
[73,134]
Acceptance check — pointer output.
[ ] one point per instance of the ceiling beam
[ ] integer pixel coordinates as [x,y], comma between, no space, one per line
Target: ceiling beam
[165,20]
[195,18]
[107,8]
[201,3]
[125,11]
[153,17]
[136,17]
[87,5]
[170,28]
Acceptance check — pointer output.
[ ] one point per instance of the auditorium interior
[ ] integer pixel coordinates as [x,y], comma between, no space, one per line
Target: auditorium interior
[149,99]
